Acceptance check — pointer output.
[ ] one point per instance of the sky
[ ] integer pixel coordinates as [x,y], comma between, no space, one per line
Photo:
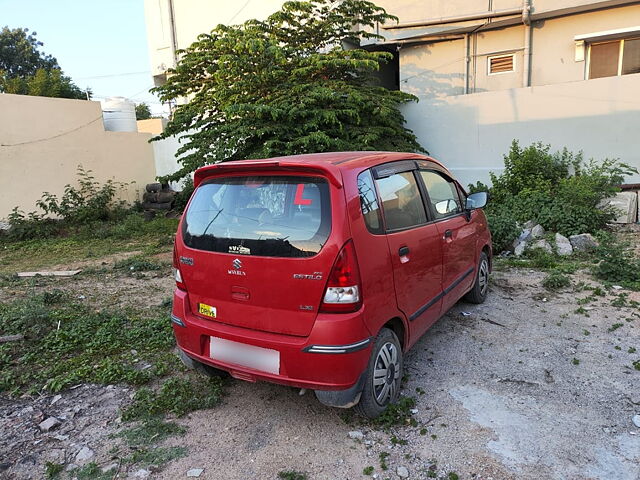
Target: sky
[100,44]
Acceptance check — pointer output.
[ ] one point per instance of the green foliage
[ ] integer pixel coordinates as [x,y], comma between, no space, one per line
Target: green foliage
[368,470]
[555,281]
[178,396]
[25,70]
[151,430]
[292,475]
[396,414]
[44,83]
[558,190]
[137,263]
[20,54]
[68,343]
[82,205]
[157,456]
[617,262]
[182,198]
[142,111]
[53,470]
[286,86]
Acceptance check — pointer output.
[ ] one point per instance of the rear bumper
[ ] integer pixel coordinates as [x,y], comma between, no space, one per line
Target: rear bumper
[331,358]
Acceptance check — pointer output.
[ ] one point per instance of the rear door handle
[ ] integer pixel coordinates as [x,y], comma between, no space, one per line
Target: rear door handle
[403,252]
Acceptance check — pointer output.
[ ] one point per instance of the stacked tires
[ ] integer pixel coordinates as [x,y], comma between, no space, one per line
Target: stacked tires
[158,197]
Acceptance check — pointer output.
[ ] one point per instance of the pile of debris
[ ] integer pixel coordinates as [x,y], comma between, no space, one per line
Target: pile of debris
[534,236]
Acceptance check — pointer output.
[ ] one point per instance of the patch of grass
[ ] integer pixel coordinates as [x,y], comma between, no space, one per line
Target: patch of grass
[614,327]
[151,430]
[158,456]
[631,350]
[555,281]
[620,300]
[398,441]
[581,311]
[636,364]
[91,471]
[396,414]
[137,263]
[453,476]
[292,475]
[53,470]
[383,461]
[177,396]
[575,361]
[92,241]
[68,343]
[368,470]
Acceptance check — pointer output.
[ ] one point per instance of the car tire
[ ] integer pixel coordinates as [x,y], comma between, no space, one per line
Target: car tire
[478,292]
[383,376]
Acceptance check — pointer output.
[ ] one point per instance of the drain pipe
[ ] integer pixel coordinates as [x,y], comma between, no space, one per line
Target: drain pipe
[467,61]
[526,20]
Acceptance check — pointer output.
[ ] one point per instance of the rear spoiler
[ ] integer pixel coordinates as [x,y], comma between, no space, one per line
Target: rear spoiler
[263,166]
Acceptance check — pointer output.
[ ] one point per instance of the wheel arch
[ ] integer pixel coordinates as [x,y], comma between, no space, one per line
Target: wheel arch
[397,326]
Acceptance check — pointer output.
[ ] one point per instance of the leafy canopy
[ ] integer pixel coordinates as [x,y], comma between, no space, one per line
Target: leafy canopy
[295,83]
[25,70]
[142,111]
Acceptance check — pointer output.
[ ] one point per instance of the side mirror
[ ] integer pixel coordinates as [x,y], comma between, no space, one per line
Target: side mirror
[476,200]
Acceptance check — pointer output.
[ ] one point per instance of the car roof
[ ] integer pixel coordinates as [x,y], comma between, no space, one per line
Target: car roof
[329,162]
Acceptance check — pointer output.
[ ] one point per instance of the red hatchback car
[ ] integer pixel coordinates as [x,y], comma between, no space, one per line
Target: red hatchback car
[318,271]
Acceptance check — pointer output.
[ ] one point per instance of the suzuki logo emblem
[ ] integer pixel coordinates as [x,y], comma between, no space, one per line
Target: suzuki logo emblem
[237,264]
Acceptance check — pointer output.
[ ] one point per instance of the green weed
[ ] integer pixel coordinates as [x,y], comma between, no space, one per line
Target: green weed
[383,461]
[555,281]
[396,414]
[292,475]
[53,470]
[178,396]
[368,470]
[151,430]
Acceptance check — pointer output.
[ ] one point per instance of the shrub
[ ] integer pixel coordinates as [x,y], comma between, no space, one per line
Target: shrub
[558,190]
[618,263]
[79,206]
[555,281]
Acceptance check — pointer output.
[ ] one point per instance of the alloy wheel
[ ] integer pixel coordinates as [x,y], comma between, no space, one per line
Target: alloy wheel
[386,375]
[483,277]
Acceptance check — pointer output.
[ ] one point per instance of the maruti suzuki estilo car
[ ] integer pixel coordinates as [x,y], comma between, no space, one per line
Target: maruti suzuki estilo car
[319,271]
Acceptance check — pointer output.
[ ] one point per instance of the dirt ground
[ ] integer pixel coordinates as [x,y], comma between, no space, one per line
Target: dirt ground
[521,387]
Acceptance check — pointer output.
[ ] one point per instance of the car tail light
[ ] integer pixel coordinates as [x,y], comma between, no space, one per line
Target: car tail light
[177,275]
[343,293]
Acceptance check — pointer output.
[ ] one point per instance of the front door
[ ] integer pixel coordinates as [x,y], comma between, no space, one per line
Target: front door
[415,247]
[457,234]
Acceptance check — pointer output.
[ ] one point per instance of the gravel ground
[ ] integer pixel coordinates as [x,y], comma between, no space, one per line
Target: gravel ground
[521,387]
[503,398]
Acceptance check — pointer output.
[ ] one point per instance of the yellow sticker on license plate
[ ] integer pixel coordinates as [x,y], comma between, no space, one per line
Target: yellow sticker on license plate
[207,310]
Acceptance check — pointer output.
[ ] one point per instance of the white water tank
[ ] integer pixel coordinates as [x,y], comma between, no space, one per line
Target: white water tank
[119,115]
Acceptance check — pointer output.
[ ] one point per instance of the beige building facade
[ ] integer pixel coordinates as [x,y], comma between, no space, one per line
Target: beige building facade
[44,140]
[486,72]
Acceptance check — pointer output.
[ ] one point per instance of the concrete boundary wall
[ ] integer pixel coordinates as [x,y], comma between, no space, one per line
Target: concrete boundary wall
[471,133]
[43,140]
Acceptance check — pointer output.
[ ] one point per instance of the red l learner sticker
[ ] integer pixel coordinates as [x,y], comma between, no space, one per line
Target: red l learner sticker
[298,200]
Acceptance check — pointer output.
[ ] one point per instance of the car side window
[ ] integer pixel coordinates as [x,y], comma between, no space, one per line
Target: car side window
[443,194]
[401,201]
[369,202]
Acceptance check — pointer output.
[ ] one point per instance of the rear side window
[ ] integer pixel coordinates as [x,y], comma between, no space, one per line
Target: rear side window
[401,201]
[273,216]
[443,194]
[369,202]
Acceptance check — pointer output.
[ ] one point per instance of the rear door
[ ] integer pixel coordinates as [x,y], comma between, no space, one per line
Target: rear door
[458,234]
[414,245]
[256,250]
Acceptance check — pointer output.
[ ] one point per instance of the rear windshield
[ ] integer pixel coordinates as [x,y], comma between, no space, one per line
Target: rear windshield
[273,216]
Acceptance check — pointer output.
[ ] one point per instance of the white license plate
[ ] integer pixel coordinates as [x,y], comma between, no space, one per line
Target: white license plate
[258,358]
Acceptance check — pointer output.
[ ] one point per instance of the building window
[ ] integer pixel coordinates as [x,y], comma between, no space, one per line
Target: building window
[501,64]
[617,57]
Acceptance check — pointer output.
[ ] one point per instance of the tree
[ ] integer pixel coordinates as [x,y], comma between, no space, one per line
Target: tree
[25,70]
[142,111]
[20,55]
[295,83]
